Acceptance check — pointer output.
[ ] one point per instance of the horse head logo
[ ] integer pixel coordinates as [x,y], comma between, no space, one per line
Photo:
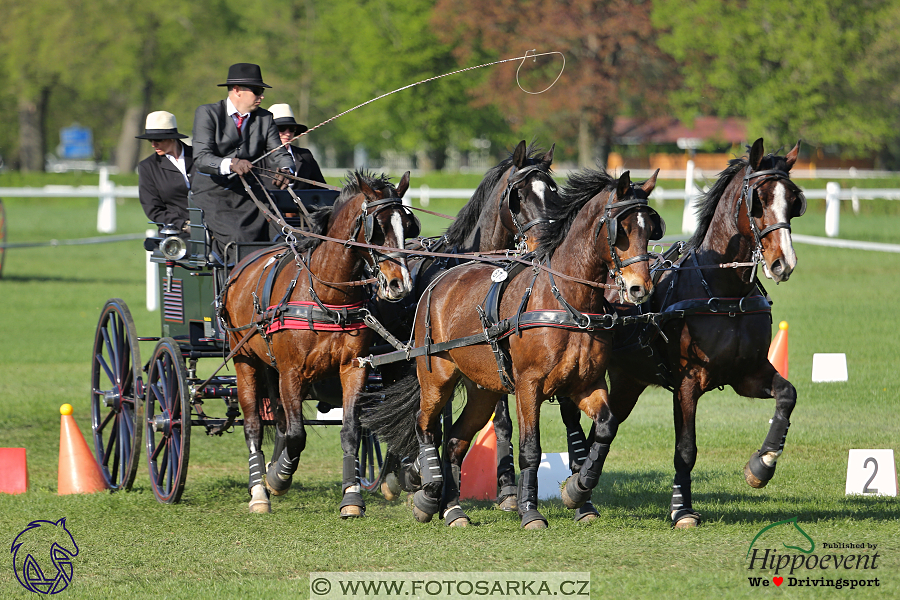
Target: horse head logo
[42,556]
[793,521]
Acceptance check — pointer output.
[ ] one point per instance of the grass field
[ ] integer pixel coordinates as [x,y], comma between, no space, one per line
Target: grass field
[210,547]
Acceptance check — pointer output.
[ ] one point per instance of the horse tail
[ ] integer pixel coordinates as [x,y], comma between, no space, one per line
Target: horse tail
[391,414]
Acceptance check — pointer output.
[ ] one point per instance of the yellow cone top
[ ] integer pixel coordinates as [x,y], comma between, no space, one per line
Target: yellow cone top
[783,325]
[65,409]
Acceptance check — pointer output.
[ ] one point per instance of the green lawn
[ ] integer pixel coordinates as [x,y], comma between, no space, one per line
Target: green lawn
[210,547]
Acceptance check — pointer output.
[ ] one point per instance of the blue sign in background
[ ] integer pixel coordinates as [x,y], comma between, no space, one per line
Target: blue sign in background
[77,142]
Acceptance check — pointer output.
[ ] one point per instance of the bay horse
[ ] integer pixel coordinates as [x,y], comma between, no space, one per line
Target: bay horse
[551,351]
[315,331]
[716,322]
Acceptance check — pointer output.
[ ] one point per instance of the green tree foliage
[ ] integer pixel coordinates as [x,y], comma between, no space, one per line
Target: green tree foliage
[794,69]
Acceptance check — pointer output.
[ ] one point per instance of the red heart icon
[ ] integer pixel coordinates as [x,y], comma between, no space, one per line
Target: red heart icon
[778,580]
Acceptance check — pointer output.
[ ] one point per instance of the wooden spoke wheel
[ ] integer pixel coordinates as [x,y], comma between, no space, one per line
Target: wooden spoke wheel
[168,424]
[371,460]
[2,237]
[116,395]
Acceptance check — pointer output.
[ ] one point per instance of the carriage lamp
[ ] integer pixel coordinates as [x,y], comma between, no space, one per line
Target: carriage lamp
[173,248]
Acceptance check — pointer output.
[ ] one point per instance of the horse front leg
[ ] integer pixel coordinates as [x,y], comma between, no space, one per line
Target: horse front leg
[685,398]
[506,470]
[528,411]
[578,487]
[353,381]
[578,452]
[761,466]
[280,472]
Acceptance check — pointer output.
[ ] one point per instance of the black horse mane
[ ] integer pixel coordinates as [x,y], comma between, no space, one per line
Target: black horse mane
[468,216]
[579,188]
[706,209]
[320,218]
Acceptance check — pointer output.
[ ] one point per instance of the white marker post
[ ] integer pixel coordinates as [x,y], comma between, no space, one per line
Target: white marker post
[871,473]
[829,367]
[152,278]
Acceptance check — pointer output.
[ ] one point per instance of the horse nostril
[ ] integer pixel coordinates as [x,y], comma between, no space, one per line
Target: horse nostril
[396,285]
[636,292]
[777,267]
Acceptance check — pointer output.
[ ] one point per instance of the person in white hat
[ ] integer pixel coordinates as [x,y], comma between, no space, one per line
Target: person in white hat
[305,166]
[164,176]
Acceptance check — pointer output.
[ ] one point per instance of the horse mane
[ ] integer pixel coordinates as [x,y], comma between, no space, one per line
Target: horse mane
[709,201]
[320,218]
[578,190]
[469,215]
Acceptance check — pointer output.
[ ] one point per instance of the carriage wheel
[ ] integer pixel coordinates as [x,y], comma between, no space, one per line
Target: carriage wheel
[168,422]
[116,395]
[2,237]
[371,460]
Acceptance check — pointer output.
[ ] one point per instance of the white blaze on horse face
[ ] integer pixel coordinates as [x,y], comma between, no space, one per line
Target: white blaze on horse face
[641,222]
[782,215]
[538,188]
[397,226]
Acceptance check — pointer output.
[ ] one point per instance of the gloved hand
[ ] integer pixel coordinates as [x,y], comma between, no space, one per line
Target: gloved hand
[241,166]
[280,181]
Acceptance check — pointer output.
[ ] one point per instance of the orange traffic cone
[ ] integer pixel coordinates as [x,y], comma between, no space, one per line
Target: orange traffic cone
[778,351]
[79,473]
[478,474]
[13,471]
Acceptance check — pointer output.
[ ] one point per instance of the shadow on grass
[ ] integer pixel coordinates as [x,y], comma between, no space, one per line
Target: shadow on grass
[60,279]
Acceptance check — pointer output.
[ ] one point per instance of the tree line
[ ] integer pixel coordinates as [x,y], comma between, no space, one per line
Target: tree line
[824,71]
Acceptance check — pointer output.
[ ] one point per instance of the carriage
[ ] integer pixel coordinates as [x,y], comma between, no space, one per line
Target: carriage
[152,406]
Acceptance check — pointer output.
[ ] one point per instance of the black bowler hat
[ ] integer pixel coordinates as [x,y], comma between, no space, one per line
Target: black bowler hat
[245,74]
[161,125]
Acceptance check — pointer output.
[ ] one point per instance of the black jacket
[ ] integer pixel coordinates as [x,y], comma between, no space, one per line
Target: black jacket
[162,190]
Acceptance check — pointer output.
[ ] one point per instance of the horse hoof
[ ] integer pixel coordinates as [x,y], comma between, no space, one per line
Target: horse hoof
[275,492]
[353,512]
[686,519]
[571,497]
[509,504]
[420,515]
[260,507]
[538,524]
[390,487]
[460,522]
[586,514]
[751,479]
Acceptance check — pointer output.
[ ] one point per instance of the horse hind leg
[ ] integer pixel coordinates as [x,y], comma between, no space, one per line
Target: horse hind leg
[760,469]
[506,470]
[249,397]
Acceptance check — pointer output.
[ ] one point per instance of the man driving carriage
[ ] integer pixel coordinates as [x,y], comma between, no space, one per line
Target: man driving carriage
[228,135]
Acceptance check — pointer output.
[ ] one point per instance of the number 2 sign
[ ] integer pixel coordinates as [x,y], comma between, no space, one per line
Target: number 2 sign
[871,473]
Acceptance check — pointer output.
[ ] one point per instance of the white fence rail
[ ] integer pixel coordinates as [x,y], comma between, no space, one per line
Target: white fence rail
[107,192]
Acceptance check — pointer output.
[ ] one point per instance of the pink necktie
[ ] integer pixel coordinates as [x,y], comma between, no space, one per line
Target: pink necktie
[240,121]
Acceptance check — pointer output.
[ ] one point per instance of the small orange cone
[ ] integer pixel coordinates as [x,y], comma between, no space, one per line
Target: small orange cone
[79,473]
[778,351]
[13,471]
[478,474]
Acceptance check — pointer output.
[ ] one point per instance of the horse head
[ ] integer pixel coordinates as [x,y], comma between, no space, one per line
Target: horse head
[384,221]
[771,201]
[630,224]
[530,190]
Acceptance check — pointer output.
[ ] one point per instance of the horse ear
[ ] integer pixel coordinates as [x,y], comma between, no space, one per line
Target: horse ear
[547,159]
[403,185]
[650,184]
[623,185]
[756,154]
[364,187]
[520,155]
[791,157]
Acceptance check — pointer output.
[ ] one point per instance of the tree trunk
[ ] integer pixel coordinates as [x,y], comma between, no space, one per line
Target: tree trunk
[585,143]
[606,138]
[32,125]
[128,148]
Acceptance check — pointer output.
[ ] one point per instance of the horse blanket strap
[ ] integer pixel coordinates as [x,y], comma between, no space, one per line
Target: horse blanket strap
[717,306]
[490,317]
[308,316]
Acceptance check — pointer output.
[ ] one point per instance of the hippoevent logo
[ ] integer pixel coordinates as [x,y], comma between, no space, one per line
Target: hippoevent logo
[42,556]
[804,567]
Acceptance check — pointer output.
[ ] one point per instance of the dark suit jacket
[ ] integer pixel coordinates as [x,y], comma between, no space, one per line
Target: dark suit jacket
[305,166]
[228,211]
[162,190]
